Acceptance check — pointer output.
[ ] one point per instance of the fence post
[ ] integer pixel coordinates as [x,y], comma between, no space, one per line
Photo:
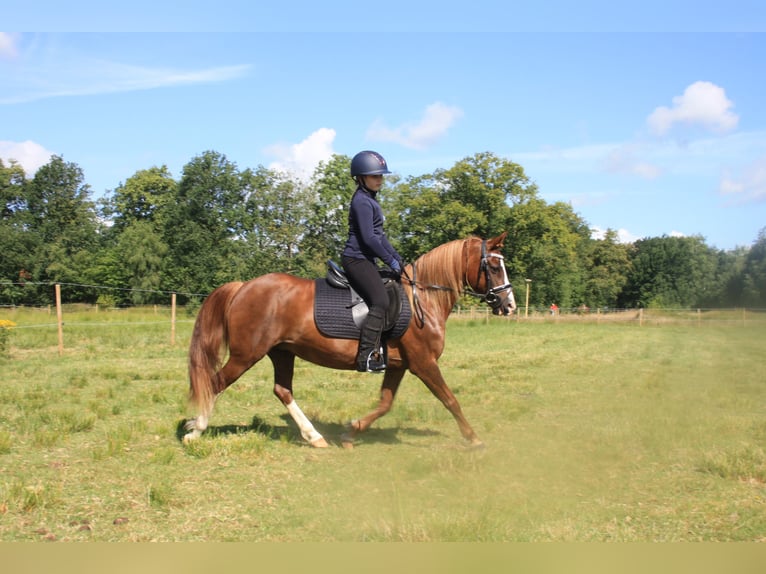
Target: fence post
[59,319]
[173,319]
[641,317]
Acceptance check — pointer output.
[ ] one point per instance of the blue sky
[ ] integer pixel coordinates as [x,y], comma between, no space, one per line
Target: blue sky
[651,124]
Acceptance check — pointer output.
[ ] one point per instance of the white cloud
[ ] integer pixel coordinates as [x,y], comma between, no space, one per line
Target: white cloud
[648,158]
[623,160]
[116,77]
[52,69]
[8,49]
[581,159]
[749,186]
[30,155]
[623,235]
[110,78]
[301,159]
[702,103]
[437,119]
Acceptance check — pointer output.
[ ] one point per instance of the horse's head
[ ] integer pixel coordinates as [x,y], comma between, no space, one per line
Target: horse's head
[487,277]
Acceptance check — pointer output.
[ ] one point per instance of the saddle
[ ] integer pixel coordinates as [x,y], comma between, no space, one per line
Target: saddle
[339,311]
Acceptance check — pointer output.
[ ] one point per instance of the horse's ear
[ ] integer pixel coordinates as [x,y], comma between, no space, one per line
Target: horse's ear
[497,242]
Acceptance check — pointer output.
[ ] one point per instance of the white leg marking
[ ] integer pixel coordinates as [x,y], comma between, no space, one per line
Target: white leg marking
[308,432]
[196,426]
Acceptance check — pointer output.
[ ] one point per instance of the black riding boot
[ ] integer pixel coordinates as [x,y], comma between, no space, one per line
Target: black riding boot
[369,358]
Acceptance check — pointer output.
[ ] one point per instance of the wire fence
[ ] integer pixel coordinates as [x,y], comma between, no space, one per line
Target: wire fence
[61,308]
[641,317]
[89,314]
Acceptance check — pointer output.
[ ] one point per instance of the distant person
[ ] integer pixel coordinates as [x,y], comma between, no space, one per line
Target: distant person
[367,243]
[554,309]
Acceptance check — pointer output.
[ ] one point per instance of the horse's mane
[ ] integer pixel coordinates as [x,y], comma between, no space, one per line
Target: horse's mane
[441,267]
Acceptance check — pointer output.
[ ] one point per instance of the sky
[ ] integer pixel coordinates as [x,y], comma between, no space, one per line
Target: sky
[650,123]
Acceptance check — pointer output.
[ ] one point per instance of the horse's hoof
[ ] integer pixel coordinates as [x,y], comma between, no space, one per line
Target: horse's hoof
[188,438]
[319,443]
[347,440]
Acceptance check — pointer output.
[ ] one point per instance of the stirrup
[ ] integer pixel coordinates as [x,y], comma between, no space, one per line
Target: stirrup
[372,364]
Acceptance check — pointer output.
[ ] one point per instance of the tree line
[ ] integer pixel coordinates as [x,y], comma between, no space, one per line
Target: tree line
[154,234]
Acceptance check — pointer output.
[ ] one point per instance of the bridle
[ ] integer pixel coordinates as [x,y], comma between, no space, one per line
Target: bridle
[491,297]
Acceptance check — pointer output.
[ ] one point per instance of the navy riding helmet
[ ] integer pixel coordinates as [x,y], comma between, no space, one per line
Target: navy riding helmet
[368,163]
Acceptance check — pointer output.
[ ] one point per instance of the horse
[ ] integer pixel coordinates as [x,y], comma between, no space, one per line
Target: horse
[274,315]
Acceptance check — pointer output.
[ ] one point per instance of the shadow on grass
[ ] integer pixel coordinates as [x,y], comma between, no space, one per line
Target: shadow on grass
[330,430]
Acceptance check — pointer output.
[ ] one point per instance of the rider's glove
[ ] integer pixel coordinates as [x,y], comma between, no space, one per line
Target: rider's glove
[397,268]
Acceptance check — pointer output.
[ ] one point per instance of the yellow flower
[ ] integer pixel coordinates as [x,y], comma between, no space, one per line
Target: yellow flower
[6,324]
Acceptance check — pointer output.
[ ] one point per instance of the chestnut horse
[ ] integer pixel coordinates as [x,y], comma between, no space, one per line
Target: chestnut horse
[274,315]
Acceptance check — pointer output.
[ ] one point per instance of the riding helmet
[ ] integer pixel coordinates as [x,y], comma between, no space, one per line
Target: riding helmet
[368,163]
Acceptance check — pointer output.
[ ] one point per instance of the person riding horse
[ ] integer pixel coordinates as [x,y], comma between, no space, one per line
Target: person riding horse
[367,242]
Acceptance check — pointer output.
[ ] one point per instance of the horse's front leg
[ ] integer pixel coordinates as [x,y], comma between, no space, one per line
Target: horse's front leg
[430,373]
[284,366]
[388,389]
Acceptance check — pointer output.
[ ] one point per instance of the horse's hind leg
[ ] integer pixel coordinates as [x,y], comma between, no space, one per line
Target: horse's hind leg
[195,427]
[284,366]
[391,380]
[229,373]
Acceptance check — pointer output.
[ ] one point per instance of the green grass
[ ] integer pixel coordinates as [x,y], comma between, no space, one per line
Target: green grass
[594,432]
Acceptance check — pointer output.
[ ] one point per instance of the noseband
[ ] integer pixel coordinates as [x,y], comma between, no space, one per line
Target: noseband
[491,297]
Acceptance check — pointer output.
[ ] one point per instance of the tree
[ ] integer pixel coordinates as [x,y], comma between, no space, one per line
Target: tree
[607,264]
[473,197]
[727,291]
[754,273]
[218,223]
[132,266]
[326,226]
[670,272]
[490,185]
[18,242]
[283,212]
[277,207]
[420,217]
[11,190]
[143,197]
[60,208]
[64,222]
[200,224]
[545,244]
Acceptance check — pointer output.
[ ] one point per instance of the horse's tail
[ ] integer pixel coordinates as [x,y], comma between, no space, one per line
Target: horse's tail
[208,344]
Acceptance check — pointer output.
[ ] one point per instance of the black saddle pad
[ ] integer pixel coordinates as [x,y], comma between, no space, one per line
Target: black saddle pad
[333,315]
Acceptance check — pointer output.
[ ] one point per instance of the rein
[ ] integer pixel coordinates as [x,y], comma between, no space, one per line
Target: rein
[490,297]
[414,283]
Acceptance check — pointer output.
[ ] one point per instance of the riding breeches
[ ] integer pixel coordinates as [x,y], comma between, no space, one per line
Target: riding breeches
[364,277]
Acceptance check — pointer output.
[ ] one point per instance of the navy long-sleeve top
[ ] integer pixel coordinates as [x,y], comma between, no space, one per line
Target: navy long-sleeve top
[366,238]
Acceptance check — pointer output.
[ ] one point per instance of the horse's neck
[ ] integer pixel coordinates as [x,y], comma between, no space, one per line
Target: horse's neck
[440,293]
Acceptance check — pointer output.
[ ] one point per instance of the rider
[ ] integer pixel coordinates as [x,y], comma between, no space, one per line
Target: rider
[366,243]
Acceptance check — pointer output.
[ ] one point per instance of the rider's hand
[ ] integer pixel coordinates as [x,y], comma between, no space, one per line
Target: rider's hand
[396,268]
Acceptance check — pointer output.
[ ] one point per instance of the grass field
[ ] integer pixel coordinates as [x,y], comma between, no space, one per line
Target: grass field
[594,432]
